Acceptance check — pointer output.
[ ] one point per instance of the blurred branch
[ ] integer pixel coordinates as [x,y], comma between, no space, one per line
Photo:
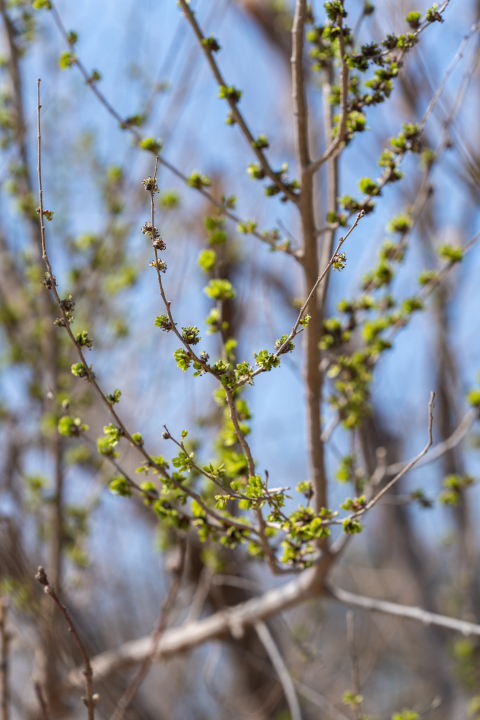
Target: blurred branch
[265,238]
[41,701]
[403,611]
[4,668]
[90,700]
[167,606]
[228,621]
[282,671]
[335,146]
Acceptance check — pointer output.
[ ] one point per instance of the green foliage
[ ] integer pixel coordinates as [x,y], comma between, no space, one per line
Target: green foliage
[169,200]
[66,60]
[350,527]
[405,715]
[229,93]
[413,19]
[119,486]
[454,486]
[401,223]
[206,260]
[427,276]
[151,145]
[183,359]
[191,335]
[450,253]
[368,186]
[220,289]
[211,44]
[266,360]
[163,321]
[71,427]
[350,698]
[261,143]
[79,370]
[198,181]
[42,5]
[83,340]
[114,397]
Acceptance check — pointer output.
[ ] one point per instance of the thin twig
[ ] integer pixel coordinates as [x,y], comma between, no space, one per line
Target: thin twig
[455,438]
[160,627]
[238,117]
[41,701]
[265,238]
[357,705]
[412,462]
[295,331]
[4,667]
[90,699]
[335,146]
[278,663]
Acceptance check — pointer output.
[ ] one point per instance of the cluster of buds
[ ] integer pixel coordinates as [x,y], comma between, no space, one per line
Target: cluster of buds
[150,184]
[160,264]
[62,322]
[46,213]
[68,304]
[49,281]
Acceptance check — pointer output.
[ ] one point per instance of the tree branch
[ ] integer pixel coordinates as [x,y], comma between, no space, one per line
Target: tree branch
[90,699]
[278,663]
[402,611]
[229,621]
[238,117]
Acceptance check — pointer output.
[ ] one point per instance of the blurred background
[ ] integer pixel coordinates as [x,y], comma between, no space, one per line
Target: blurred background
[108,553]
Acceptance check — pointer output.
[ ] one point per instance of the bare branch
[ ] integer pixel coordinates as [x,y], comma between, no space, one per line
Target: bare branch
[402,611]
[90,700]
[229,621]
[455,438]
[282,671]
[300,111]
[4,665]
[41,701]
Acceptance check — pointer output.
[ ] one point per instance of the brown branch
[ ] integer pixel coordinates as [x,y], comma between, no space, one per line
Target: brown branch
[4,667]
[238,117]
[160,627]
[300,111]
[90,699]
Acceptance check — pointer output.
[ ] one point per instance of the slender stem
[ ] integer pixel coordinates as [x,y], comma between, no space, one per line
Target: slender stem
[357,707]
[4,668]
[238,117]
[278,663]
[41,577]
[41,701]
